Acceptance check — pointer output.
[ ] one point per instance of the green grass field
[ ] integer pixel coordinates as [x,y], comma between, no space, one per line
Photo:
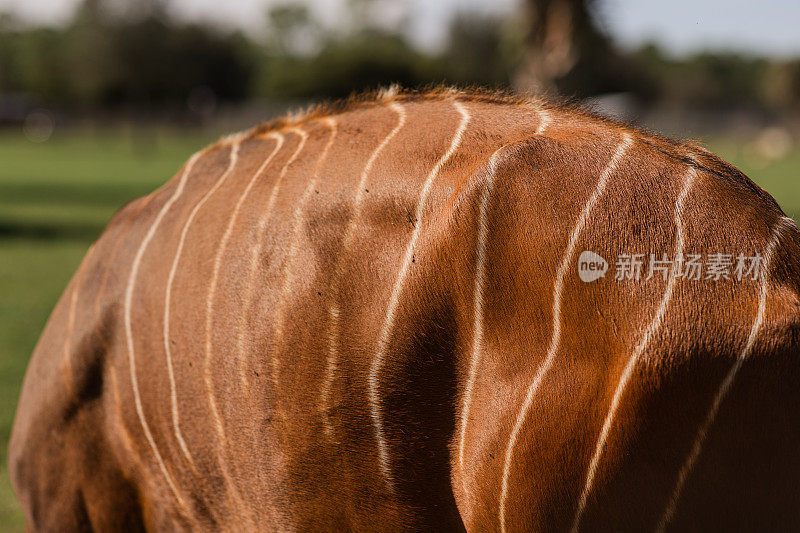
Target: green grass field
[56,197]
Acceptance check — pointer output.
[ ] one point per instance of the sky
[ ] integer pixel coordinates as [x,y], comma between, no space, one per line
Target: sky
[681,26]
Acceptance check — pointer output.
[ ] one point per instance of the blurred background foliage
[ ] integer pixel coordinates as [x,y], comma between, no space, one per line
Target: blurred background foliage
[106,106]
[145,60]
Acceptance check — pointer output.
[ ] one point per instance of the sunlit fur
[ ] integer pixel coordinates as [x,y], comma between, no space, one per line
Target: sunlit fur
[367,316]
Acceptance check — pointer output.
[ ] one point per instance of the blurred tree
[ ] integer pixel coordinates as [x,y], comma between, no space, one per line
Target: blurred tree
[9,55]
[564,50]
[114,55]
[345,65]
[781,85]
[42,71]
[709,80]
[101,60]
[162,63]
[333,64]
[289,29]
[358,12]
[87,53]
[477,51]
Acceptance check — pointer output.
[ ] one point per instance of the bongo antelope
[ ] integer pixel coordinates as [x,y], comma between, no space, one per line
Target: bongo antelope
[370,317]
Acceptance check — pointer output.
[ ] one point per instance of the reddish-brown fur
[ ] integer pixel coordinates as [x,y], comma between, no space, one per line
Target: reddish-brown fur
[311,278]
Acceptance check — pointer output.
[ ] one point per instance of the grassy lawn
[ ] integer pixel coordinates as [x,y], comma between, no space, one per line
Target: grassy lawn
[779,177]
[56,197]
